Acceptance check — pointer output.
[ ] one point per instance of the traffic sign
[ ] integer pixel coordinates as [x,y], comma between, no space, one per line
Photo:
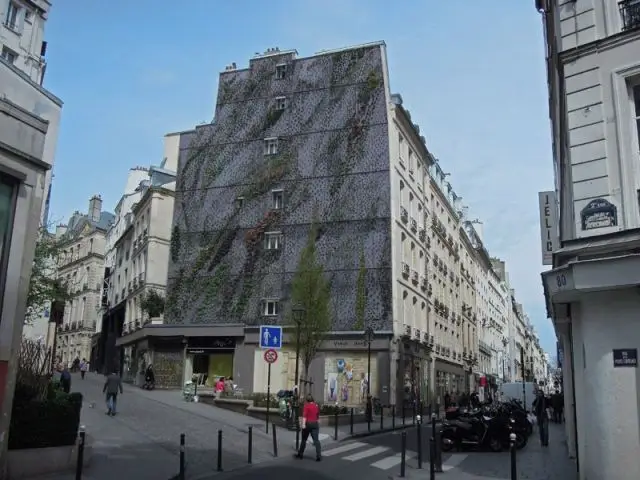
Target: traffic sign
[270,336]
[270,356]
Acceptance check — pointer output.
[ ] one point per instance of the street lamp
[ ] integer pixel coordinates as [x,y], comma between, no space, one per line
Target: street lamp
[504,352]
[368,337]
[298,315]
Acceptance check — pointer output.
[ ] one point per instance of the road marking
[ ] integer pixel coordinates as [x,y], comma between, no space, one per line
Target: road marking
[390,462]
[367,453]
[453,461]
[344,448]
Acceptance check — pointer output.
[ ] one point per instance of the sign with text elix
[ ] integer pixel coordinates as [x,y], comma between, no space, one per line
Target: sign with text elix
[548,226]
[270,336]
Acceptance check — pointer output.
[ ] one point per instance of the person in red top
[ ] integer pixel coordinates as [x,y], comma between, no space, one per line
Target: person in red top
[310,426]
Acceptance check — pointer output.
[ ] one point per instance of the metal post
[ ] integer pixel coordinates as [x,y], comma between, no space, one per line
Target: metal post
[514,471]
[296,398]
[80,459]
[393,417]
[250,447]
[335,425]
[219,450]
[404,420]
[403,453]
[275,440]
[432,456]
[381,417]
[268,397]
[419,434]
[437,458]
[524,389]
[182,465]
[351,422]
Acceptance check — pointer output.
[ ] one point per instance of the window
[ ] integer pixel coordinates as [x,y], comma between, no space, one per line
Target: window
[410,161]
[28,16]
[636,98]
[273,240]
[8,190]
[270,308]
[281,71]
[11,19]
[239,202]
[270,146]
[281,103]
[278,199]
[9,55]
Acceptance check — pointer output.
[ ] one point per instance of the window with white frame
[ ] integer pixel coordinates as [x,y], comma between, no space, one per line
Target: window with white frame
[270,308]
[401,148]
[281,71]
[411,160]
[9,55]
[281,103]
[273,240]
[270,146]
[278,199]
[636,101]
[239,202]
[11,18]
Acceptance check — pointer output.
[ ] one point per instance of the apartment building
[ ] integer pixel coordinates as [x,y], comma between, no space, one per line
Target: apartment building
[502,317]
[81,264]
[593,66]
[22,172]
[138,259]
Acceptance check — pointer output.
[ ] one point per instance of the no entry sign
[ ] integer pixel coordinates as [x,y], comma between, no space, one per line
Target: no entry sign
[270,356]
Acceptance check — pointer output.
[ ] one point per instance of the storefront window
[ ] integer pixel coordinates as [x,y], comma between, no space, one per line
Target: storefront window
[7,209]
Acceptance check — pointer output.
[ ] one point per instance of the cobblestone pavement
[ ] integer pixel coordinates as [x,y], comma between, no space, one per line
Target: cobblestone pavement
[142,441]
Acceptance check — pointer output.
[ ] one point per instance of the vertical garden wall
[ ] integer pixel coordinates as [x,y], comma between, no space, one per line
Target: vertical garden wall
[331,164]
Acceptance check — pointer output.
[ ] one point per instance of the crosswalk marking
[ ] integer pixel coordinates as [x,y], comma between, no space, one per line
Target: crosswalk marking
[344,448]
[390,462]
[453,461]
[367,453]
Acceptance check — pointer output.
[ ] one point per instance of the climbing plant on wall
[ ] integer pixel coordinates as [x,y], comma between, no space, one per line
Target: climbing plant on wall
[311,291]
[152,303]
[361,293]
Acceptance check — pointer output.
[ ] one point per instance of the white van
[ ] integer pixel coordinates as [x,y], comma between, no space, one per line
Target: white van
[513,390]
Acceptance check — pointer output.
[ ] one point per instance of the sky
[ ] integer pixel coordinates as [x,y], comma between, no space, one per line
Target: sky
[472,74]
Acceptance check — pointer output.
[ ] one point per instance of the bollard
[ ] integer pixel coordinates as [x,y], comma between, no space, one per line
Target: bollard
[219,450]
[403,414]
[335,426]
[351,423]
[413,413]
[393,417]
[419,439]
[182,472]
[437,458]
[403,453]
[80,462]
[275,440]
[381,417]
[432,458]
[250,448]
[514,471]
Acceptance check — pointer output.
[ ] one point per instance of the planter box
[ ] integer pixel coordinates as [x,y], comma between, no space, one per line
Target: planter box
[261,414]
[33,462]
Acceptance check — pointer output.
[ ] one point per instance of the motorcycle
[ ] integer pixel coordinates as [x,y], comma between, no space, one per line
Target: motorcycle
[285,406]
[480,431]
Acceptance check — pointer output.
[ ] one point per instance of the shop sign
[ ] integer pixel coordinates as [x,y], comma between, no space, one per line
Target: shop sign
[625,357]
[202,345]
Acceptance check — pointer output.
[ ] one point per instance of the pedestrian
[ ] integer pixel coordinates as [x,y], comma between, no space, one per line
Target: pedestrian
[540,405]
[65,379]
[149,378]
[310,426]
[219,387]
[84,366]
[112,385]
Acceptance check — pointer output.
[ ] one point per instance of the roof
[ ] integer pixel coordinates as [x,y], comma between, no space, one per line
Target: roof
[78,222]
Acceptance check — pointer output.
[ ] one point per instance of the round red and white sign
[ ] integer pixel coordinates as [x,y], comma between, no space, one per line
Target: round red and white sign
[270,356]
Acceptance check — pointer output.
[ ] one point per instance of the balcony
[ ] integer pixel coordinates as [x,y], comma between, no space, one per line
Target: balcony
[405,269]
[422,235]
[414,225]
[414,277]
[404,215]
[630,13]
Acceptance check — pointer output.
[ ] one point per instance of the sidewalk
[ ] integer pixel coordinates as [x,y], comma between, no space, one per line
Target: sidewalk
[533,462]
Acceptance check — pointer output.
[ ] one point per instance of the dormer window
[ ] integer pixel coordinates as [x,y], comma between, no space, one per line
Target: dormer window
[278,199]
[281,103]
[281,71]
[270,146]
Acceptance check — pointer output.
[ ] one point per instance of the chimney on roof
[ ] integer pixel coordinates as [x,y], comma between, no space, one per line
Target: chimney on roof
[95,208]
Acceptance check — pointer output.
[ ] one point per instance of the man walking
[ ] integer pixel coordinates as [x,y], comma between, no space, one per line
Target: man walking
[540,410]
[112,385]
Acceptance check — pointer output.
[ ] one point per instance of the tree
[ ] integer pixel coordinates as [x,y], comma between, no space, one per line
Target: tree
[152,303]
[311,291]
[44,287]
[361,293]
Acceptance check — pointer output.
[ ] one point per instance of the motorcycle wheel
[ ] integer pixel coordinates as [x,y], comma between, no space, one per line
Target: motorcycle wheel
[521,441]
[447,441]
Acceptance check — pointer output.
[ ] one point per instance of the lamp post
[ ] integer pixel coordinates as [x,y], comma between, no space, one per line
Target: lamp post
[298,315]
[504,353]
[368,337]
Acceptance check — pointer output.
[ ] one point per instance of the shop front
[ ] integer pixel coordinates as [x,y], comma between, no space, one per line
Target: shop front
[414,374]
[209,358]
[450,378]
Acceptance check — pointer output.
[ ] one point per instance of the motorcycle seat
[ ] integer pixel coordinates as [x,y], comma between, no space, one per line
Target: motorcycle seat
[461,424]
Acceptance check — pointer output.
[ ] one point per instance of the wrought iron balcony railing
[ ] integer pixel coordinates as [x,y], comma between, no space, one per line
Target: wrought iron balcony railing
[630,12]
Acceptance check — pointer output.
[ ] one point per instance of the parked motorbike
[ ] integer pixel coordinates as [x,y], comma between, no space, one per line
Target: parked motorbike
[285,406]
[481,431]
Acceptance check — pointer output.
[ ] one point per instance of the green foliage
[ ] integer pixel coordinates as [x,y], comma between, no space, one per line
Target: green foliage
[152,303]
[271,171]
[272,117]
[310,291]
[51,422]
[175,243]
[361,293]
[44,287]
[329,409]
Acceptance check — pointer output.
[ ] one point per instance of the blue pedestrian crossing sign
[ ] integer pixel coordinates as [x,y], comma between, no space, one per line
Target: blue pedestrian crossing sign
[270,336]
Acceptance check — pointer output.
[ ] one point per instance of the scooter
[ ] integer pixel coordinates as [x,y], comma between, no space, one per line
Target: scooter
[480,431]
